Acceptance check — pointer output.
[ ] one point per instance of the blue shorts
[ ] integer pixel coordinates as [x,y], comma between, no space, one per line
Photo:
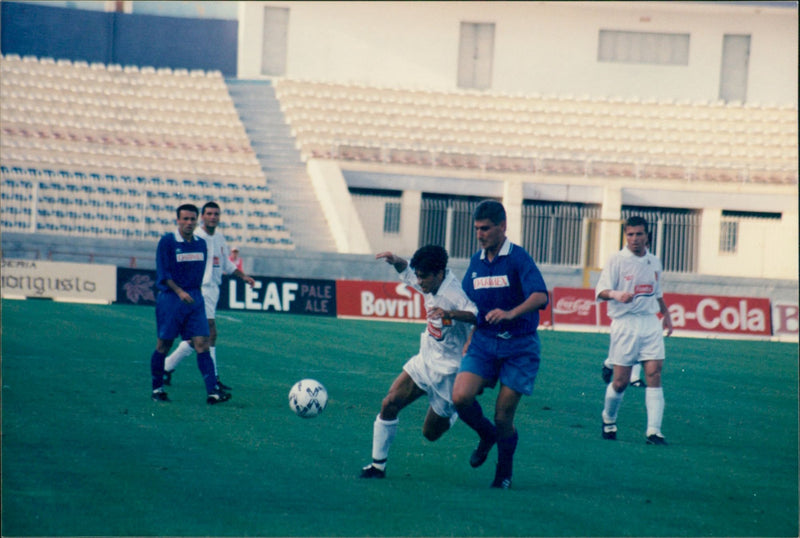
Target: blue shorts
[515,361]
[175,318]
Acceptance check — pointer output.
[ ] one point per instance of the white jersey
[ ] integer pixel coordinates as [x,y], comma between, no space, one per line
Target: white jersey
[639,275]
[218,258]
[442,342]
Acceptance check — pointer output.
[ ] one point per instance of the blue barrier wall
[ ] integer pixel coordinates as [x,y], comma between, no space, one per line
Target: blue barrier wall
[119,38]
[56,32]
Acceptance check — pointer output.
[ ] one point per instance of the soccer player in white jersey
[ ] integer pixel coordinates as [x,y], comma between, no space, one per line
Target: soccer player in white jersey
[218,263]
[432,371]
[631,282]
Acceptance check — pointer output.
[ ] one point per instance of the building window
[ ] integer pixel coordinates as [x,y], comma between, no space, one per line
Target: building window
[643,48]
[729,227]
[391,217]
[476,55]
[728,234]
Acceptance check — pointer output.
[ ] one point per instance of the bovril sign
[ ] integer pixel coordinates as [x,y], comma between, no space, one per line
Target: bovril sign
[380,300]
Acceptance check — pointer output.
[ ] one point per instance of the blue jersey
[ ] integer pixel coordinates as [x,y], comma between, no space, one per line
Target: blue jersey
[183,262]
[505,283]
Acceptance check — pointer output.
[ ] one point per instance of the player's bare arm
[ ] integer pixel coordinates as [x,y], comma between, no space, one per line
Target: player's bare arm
[535,301]
[242,276]
[667,318]
[456,315]
[399,263]
[616,295]
[185,297]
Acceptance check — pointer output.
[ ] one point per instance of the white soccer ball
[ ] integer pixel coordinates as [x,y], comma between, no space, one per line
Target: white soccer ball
[308,398]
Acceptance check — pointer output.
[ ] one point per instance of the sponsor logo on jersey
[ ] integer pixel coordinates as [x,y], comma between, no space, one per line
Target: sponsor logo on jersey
[436,327]
[486,282]
[643,289]
[190,256]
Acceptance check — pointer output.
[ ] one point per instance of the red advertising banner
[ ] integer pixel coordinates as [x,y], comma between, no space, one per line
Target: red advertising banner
[727,315]
[379,300]
[574,306]
[743,316]
[785,319]
[704,313]
[546,315]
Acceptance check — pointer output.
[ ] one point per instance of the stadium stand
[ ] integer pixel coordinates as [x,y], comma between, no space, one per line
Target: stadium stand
[583,136]
[110,151]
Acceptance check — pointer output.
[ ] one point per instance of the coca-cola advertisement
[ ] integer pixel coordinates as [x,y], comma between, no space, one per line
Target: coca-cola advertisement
[730,315]
[574,306]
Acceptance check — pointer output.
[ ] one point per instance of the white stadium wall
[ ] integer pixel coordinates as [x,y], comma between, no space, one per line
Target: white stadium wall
[551,48]
[539,47]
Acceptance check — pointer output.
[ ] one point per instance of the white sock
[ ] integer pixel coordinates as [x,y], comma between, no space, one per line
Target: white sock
[636,372]
[612,402]
[213,351]
[654,402]
[383,432]
[181,352]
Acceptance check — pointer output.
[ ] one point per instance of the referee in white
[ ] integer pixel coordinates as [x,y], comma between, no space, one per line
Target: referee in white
[631,282]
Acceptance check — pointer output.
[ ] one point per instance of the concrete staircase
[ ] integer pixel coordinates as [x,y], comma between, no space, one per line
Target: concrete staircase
[287,179]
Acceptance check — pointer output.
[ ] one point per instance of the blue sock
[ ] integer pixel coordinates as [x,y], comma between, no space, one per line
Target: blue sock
[157,369]
[505,454]
[473,417]
[206,366]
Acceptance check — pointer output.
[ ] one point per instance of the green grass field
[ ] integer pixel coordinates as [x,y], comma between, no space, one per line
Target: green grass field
[86,453]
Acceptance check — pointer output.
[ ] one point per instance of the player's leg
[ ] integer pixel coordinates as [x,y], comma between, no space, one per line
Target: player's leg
[652,354]
[402,392]
[172,361]
[479,368]
[435,425]
[210,299]
[206,367]
[168,308]
[636,375]
[654,401]
[622,353]
[507,437]
[157,368]
[615,391]
[212,348]
[441,413]
[517,377]
[466,387]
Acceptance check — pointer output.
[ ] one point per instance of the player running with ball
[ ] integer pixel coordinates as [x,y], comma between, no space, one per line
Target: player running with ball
[433,370]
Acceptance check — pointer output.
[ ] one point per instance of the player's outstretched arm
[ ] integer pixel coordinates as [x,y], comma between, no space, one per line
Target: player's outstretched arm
[241,275]
[456,315]
[399,263]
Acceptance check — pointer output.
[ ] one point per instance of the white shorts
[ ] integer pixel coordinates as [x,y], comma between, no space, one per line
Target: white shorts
[439,386]
[211,297]
[636,339]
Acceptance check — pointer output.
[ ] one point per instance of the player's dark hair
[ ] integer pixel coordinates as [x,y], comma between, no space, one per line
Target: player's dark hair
[429,259]
[490,209]
[186,207]
[212,205]
[637,221]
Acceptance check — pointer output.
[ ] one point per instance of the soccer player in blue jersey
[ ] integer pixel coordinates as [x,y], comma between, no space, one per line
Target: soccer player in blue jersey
[504,282]
[180,311]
